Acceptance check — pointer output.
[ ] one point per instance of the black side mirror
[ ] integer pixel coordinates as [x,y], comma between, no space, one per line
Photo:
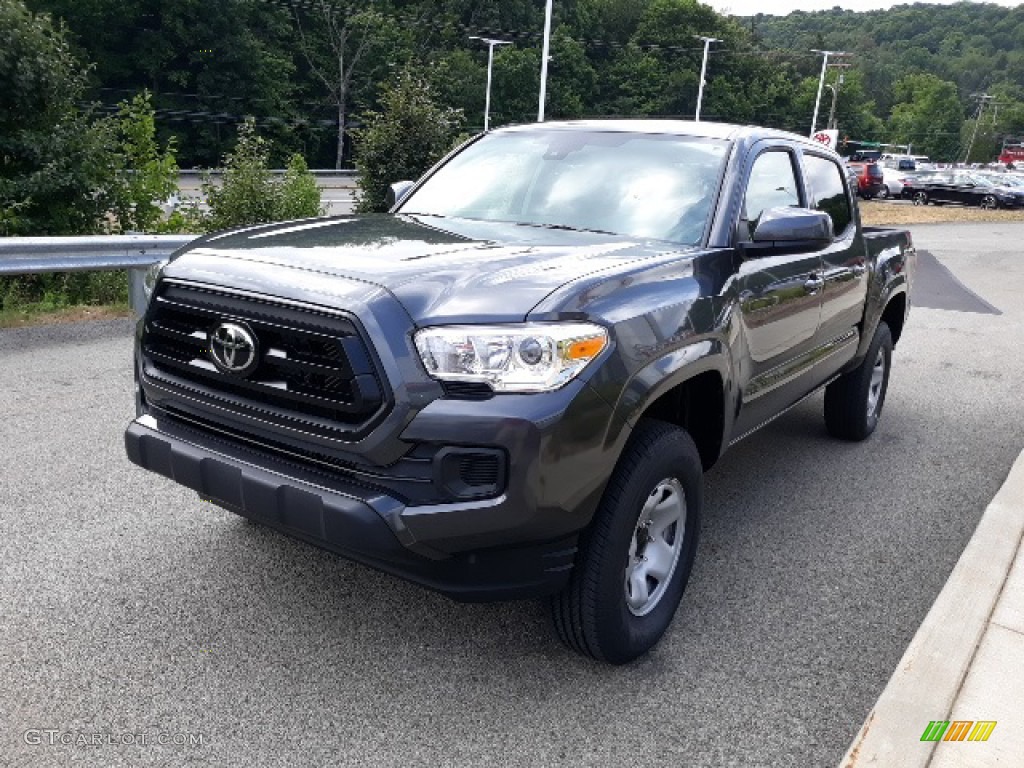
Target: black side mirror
[791,229]
[397,192]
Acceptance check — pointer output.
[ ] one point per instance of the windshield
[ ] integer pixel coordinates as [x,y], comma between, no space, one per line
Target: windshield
[639,185]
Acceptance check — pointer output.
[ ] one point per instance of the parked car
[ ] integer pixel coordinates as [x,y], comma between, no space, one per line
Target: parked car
[892,182]
[869,179]
[510,386]
[965,188]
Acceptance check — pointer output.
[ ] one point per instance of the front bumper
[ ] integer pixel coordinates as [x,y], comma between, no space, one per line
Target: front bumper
[517,545]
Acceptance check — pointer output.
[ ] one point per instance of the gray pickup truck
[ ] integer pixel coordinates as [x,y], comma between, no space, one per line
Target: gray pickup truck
[511,384]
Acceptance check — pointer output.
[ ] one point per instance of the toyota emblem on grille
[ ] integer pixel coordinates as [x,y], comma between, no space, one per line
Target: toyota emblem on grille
[233,348]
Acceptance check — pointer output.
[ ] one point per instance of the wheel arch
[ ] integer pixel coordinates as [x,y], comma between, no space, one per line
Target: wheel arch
[895,314]
[689,388]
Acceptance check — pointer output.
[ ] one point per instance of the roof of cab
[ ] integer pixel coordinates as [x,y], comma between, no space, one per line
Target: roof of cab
[702,129]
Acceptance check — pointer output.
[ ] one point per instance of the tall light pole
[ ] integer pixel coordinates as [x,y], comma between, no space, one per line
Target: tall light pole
[703,71]
[544,63]
[490,65]
[821,83]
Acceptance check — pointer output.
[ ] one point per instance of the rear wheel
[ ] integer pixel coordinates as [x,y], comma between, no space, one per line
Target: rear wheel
[883,193]
[635,559]
[920,198]
[989,202]
[853,402]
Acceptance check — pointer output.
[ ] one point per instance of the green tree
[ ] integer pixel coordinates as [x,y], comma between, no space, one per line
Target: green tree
[55,159]
[927,115]
[246,194]
[249,193]
[343,46]
[206,62]
[299,196]
[145,175]
[408,135]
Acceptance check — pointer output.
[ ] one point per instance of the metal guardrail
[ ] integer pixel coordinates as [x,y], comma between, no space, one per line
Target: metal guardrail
[35,255]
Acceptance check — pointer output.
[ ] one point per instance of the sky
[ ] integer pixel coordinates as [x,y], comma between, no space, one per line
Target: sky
[782,7]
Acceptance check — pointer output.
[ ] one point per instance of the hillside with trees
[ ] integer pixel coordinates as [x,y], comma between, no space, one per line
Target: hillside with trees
[926,67]
[309,72]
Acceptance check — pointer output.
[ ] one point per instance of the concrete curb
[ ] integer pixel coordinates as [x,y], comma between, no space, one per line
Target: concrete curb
[928,679]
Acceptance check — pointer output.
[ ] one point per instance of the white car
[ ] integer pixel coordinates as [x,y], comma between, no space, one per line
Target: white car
[892,183]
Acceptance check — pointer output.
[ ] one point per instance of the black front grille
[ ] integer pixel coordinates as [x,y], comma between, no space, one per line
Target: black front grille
[314,372]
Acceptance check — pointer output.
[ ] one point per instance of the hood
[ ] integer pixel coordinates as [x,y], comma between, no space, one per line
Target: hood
[441,270]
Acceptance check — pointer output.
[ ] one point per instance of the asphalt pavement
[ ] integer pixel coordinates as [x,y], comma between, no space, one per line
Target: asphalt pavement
[132,613]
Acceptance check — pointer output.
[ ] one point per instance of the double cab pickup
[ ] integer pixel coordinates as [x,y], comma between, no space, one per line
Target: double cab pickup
[511,384]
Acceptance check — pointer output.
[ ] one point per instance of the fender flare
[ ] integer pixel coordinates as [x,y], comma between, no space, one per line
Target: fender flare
[663,374]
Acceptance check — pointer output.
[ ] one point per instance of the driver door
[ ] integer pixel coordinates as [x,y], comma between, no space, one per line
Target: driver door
[779,296]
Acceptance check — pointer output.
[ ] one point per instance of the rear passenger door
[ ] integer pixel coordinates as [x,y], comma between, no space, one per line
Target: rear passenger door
[843,268]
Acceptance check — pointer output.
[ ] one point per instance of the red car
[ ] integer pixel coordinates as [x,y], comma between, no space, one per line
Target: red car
[869,179]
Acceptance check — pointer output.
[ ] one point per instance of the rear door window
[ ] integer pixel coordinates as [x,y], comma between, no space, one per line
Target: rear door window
[827,191]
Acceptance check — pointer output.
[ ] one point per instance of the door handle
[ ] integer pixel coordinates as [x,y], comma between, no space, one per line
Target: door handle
[813,284]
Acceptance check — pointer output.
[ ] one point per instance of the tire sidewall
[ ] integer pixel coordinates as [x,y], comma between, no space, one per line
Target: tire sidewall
[670,460]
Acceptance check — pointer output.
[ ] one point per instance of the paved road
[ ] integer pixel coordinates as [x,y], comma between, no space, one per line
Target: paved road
[127,606]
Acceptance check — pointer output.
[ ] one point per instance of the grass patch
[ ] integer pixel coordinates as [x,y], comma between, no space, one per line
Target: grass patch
[44,313]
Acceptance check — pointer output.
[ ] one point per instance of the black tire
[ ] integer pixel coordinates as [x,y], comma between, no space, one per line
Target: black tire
[853,402]
[883,193]
[592,615]
[989,202]
[920,198]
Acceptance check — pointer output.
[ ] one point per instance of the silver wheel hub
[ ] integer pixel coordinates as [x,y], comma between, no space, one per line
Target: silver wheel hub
[877,380]
[655,547]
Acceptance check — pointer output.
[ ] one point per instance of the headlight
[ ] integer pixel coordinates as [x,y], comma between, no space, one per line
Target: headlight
[530,357]
[150,278]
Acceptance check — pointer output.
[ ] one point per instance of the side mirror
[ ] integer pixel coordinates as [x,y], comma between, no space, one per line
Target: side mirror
[792,229]
[397,192]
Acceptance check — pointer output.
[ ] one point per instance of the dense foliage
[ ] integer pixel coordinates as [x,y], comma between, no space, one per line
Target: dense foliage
[249,194]
[925,66]
[403,140]
[311,71]
[52,155]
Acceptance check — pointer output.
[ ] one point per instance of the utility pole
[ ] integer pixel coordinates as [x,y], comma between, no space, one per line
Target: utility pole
[703,71]
[831,124]
[821,84]
[490,65]
[983,99]
[544,63]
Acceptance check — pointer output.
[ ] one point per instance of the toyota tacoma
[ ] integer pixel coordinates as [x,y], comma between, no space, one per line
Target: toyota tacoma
[511,384]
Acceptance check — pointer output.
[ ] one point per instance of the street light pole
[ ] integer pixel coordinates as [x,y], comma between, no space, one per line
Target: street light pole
[821,83]
[703,71]
[544,63]
[490,65]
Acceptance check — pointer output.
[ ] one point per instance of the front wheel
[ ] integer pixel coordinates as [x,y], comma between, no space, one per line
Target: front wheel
[989,202]
[635,559]
[883,193]
[853,402]
[920,198]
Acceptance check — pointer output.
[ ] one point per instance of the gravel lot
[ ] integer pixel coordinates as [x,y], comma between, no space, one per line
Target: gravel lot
[129,607]
[901,213]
